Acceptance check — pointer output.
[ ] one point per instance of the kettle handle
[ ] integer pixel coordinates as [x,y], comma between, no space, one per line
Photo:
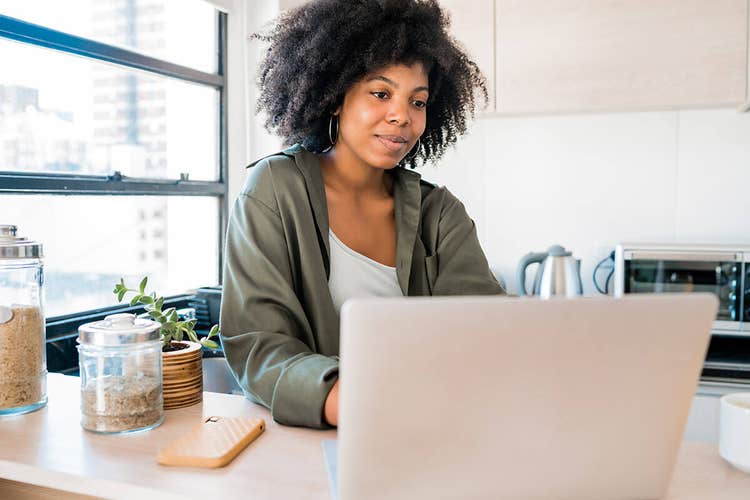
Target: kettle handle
[526,261]
[580,280]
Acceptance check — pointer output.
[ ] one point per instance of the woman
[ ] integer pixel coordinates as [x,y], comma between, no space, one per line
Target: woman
[363,89]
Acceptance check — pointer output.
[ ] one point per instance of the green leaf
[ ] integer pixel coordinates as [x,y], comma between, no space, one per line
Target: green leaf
[159,303]
[155,314]
[142,286]
[168,332]
[121,295]
[173,316]
[146,299]
[210,343]
[191,335]
[214,331]
[134,300]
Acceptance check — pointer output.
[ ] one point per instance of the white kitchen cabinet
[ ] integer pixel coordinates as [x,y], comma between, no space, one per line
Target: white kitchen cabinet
[593,55]
[290,4]
[473,24]
[703,420]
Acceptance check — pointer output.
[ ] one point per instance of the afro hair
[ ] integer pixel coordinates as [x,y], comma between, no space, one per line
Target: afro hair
[319,50]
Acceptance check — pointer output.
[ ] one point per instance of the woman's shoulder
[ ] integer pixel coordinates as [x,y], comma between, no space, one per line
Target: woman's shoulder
[435,199]
[441,207]
[426,187]
[436,196]
[271,174]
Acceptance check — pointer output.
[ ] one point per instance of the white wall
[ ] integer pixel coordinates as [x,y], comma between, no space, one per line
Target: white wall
[590,181]
[257,16]
[246,136]
[239,89]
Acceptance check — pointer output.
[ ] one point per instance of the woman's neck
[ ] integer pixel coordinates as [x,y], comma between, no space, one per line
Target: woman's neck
[345,172]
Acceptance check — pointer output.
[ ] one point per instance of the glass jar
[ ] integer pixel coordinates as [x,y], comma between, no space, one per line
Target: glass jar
[120,365]
[23,361]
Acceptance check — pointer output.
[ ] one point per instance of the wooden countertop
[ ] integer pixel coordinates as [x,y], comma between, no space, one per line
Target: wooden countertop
[49,449]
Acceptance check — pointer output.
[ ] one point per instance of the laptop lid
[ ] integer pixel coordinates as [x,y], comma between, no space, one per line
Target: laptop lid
[498,397]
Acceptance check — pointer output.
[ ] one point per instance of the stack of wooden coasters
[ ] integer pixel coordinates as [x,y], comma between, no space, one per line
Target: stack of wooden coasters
[182,377]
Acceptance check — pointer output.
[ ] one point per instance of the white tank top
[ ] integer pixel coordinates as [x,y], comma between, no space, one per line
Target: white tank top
[356,275]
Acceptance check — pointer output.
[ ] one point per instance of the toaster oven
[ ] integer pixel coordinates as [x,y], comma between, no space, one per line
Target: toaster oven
[668,268]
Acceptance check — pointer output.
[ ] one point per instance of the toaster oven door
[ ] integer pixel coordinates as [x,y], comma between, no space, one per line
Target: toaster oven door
[662,272]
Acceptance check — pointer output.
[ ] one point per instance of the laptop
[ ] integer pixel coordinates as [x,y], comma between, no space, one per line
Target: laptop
[516,398]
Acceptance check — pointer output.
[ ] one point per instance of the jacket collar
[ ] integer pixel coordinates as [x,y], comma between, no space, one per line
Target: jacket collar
[407,205]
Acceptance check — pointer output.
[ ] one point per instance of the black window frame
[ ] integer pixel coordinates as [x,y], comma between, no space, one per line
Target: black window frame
[25,183]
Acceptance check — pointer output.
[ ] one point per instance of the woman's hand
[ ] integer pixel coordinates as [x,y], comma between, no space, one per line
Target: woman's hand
[331,410]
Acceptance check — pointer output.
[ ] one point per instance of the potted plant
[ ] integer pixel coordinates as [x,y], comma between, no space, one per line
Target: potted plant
[182,363]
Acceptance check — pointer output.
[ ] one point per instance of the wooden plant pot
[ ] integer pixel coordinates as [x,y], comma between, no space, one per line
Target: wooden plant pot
[182,376]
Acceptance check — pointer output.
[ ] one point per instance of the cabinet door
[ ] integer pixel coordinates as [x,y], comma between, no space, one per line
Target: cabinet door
[290,4]
[473,24]
[596,55]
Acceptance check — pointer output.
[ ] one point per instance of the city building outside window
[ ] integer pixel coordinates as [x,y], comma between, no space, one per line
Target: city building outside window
[113,143]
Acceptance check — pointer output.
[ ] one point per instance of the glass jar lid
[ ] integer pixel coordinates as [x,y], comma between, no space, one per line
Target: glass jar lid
[16,247]
[119,329]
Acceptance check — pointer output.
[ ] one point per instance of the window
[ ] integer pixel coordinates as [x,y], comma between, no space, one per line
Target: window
[88,125]
[179,31]
[127,100]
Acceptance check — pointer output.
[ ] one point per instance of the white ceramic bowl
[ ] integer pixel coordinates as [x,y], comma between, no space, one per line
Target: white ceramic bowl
[734,430]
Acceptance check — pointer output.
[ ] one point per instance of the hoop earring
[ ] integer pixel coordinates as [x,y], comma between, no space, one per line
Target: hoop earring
[416,150]
[330,130]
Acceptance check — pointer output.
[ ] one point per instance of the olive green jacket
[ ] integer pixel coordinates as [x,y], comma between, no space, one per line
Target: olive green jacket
[279,328]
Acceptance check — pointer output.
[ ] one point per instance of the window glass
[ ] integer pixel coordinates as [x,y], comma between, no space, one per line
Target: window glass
[179,31]
[64,113]
[92,241]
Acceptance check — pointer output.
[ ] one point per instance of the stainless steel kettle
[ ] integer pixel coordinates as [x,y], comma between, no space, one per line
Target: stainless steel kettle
[559,274]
